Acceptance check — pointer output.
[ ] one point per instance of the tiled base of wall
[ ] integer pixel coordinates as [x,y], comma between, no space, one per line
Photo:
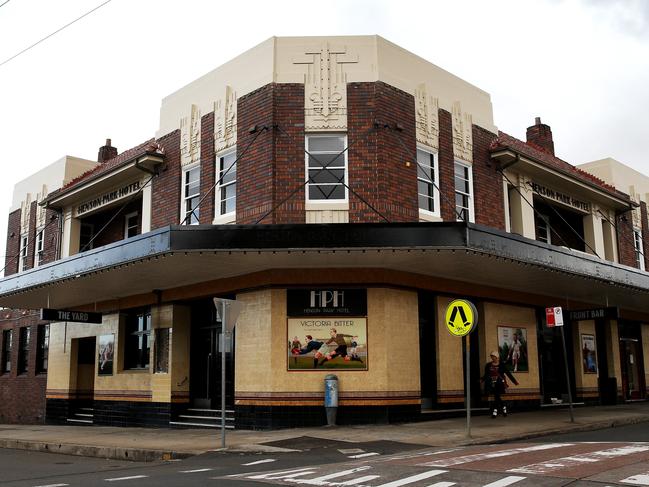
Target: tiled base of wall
[114,413]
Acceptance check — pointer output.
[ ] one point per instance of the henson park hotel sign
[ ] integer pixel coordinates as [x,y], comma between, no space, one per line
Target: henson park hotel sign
[107,198]
[560,197]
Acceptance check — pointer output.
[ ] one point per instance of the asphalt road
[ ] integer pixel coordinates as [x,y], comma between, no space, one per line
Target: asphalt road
[598,460]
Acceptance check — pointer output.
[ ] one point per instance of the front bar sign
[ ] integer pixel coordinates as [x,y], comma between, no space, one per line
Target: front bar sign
[50,314]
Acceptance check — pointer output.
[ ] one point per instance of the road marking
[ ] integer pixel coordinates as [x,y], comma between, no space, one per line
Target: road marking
[640,479]
[349,451]
[363,455]
[512,479]
[323,480]
[442,484]
[360,480]
[477,457]
[126,478]
[592,457]
[413,478]
[280,475]
[259,462]
[53,485]
[197,470]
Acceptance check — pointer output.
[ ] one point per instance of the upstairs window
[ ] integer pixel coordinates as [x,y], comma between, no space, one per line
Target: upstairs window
[131,225]
[543,232]
[86,235]
[22,260]
[23,349]
[326,168]
[427,176]
[38,247]
[463,191]
[7,339]
[226,194]
[42,348]
[137,342]
[639,248]
[191,191]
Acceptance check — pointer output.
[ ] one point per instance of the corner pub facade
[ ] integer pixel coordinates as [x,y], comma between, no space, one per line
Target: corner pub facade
[325,183]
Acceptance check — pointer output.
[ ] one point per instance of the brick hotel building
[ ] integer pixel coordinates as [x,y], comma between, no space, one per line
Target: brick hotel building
[323,182]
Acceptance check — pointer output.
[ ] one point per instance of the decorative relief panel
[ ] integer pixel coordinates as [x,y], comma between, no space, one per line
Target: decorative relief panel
[427,117]
[637,214]
[462,134]
[190,137]
[40,210]
[25,211]
[325,87]
[225,120]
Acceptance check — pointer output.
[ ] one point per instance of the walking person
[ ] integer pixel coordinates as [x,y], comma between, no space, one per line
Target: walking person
[495,383]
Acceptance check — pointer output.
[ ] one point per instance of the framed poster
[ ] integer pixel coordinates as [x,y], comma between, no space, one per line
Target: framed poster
[588,354]
[327,343]
[106,354]
[512,346]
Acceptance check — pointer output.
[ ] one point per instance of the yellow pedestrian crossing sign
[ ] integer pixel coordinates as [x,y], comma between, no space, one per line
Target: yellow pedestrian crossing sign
[461,317]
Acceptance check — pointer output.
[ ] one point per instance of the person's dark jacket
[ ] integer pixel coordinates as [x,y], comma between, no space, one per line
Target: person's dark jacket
[310,347]
[499,386]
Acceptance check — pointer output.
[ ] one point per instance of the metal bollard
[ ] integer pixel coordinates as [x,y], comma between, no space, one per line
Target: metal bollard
[331,398]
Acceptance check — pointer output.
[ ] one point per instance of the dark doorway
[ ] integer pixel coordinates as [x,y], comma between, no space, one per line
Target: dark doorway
[632,361]
[551,361]
[427,355]
[205,367]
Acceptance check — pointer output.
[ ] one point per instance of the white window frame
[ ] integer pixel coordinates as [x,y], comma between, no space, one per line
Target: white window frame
[22,253]
[127,217]
[423,213]
[548,230]
[471,195]
[232,215]
[38,246]
[183,195]
[638,247]
[342,203]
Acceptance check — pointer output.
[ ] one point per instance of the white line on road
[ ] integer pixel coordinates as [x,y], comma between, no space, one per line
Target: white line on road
[259,462]
[442,484]
[127,478]
[359,480]
[592,457]
[640,479]
[53,485]
[323,480]
[197,470]
[512,479]
[478,457]
[280,475]
[363,455]
[413,478]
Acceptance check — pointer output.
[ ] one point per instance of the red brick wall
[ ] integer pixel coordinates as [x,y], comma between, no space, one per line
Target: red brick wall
[165,197]
[447,167]
[51,237]
[488,202]
[208,169]
[378,169]
[273,167]
[13,243]
[625,246]
[22,397]
[31,242]
[645,233]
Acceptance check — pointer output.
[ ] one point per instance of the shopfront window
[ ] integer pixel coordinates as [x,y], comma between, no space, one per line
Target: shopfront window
[137,343]
[226,202]
[191,191]
[43,348]
[463,191]
[326,168]
[427,177]
[23,349]
[639,248]
[7,339]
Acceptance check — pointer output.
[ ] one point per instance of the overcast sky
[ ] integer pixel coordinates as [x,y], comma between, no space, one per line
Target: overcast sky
[582,65]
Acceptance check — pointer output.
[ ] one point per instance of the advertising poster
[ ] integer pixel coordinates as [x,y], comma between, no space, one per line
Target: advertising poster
[328,343]
[106,354]
[589,354]
[512,346]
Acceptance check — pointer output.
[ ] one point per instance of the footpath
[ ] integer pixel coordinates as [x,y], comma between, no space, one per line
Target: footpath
[148,444]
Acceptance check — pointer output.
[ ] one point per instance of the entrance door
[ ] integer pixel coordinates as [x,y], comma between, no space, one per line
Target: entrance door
[553,370]
[205,372]
[632,370]
[85,369]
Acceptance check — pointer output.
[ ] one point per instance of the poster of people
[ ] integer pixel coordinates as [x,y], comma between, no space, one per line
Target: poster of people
[327,343]
[106,354]
[589,354]
[512,346]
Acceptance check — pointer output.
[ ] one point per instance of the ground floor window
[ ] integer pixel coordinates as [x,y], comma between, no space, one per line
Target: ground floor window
[23,349]
[7,338]
[43,348]
[137,343]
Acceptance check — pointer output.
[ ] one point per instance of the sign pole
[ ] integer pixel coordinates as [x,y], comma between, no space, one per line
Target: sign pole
[565,359]
[468,385]
[223,335]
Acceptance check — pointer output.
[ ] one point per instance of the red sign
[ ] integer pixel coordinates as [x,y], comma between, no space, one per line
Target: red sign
[554,316]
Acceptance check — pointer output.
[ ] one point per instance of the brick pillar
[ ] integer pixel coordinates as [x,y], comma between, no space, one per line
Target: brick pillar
[382,170]
[625,246]
[645,233]
[165,191]
[489,200]
[13,243]
[208,169]
[31,232]
[51,237]
[447,167]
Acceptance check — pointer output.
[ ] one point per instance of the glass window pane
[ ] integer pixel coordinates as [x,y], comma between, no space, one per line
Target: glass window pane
[326,144]
[326,176]
[326,160]
[425,172]
[317,192]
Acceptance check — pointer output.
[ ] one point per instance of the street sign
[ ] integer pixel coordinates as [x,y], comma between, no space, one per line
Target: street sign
[49,314]
[233,309]
[554,316]
[461,317]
